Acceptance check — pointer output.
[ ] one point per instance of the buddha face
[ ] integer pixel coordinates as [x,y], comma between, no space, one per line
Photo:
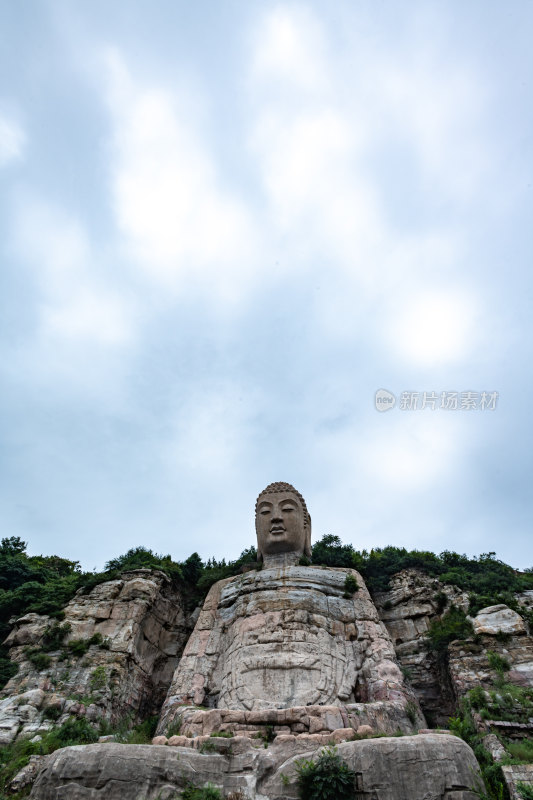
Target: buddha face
[280,524]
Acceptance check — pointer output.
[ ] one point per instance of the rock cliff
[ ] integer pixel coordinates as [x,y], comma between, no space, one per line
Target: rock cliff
[113,656]
[121,646]
[412,768]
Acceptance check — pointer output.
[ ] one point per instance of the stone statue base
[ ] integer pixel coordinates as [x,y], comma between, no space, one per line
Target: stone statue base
[343,721]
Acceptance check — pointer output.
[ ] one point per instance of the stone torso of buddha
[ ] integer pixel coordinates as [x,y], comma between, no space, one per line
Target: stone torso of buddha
[288,635]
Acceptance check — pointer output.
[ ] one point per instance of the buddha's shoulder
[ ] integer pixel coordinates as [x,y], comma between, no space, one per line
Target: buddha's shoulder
[272,578]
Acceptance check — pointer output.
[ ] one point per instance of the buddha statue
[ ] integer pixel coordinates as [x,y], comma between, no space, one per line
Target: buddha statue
[288,636]
[282,526]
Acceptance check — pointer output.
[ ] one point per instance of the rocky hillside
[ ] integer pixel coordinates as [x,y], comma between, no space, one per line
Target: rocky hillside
[90,657]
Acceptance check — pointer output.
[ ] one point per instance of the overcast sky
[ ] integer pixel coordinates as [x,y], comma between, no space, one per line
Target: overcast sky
[224,226]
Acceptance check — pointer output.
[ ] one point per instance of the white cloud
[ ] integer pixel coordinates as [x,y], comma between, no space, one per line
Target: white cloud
[436,107]
[90,315]
[320,129]
[412,457]
[178,221]
[289,46]
[432,328]
[12,141]
[208,436]
[77,303]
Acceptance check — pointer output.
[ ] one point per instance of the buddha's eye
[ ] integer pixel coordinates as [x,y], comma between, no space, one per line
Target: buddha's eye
[288,508]
[265,511]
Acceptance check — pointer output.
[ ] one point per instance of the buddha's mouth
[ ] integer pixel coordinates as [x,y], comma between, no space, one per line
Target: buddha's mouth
[277,529]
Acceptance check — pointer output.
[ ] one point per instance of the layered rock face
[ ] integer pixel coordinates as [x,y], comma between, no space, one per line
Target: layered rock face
[407,610]
[469,664]
[413,768]
[290,637]
[143,628]
[413,602]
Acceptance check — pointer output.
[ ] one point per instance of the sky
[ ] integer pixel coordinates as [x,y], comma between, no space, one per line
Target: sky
[223,228]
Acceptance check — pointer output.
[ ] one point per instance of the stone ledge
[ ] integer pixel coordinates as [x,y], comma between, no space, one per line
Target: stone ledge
[423,766]
[379,717]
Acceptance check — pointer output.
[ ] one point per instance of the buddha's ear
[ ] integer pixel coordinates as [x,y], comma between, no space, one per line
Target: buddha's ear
[307,548]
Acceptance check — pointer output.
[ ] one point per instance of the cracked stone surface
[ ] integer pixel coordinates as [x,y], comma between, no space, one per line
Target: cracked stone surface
[439,767]
[283,638]
[143,621]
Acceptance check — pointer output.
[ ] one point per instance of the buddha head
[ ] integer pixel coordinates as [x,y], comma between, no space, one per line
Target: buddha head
[282,522]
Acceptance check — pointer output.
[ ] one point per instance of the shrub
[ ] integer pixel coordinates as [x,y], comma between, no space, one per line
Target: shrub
[78,647]
[498,663]
[464,726]
[327,778]
[477,698]
[98,679]
[525,790]
[54,635]
[208,792]
[350,586]
[412,712]
[15,756]
[71,732]
[441,601]
[520,750]
[40,660]
[8,668]
[452,625]
[267,735]
[52,713]
[174,728]
[142,733]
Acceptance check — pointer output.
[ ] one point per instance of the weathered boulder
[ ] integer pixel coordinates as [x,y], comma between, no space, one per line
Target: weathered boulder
[498,619]
[440,767]
[410,768]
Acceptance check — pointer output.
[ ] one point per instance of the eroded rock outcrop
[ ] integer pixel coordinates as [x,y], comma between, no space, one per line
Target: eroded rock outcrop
[413,602]
[292,657]
[469,663]
[140,629]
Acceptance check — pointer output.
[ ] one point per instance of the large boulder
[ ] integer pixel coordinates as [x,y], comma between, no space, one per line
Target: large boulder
[498,619]
[424,767]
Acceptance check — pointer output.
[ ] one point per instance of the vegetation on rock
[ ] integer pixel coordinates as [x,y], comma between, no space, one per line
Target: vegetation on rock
[451,626]
[15,756]
[525,790]
[45,584]
[463,725]
[325,778]
[208,792]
